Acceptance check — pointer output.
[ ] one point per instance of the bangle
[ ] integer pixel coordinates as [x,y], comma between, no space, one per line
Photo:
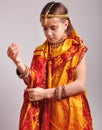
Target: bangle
[25,74]
[58,93]
[64,94]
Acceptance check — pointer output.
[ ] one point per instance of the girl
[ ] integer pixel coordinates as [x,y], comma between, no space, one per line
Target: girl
[55,97]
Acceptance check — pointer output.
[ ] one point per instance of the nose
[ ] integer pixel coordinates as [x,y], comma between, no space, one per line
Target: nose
[48,32]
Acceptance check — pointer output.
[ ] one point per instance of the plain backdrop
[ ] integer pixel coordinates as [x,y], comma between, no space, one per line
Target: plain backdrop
[19,22]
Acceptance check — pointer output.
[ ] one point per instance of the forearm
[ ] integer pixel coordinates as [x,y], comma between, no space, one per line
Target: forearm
[75,87]
[24,71]
[71,89]
[79,85]
[20,66]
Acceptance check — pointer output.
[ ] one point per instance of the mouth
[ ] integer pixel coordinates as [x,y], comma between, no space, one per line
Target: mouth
[51,39]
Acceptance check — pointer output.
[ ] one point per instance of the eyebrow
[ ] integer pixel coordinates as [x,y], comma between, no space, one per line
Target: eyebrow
[50,26]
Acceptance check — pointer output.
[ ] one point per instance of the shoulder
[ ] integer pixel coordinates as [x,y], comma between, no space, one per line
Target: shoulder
[40,47]
[77,40]
[41,50]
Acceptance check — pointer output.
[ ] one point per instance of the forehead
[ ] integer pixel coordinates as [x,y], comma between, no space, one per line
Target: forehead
[50,21]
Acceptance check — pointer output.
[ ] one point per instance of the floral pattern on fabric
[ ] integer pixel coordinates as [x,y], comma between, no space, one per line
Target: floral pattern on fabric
[50,70]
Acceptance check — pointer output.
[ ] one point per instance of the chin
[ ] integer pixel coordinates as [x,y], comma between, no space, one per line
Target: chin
[52,41]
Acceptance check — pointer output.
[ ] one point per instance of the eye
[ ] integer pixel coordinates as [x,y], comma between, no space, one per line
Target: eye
[45,28]
[54,27]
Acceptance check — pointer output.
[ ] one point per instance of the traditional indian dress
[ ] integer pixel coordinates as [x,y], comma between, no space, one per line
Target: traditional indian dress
[51,68]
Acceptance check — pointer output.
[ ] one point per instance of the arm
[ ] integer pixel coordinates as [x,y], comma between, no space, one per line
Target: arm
[71,89]
[79,84]
[13,53]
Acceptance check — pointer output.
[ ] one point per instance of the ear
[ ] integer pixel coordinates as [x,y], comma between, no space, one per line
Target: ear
[66,23]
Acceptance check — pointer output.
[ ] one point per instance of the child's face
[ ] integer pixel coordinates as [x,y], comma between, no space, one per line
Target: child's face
[54,28]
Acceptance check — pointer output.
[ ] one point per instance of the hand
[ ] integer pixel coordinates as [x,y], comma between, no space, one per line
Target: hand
[13,52]
[38,93]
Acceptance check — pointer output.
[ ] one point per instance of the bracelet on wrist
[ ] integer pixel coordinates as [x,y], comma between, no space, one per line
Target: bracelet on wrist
[60,93]
[64,94]
[23,75]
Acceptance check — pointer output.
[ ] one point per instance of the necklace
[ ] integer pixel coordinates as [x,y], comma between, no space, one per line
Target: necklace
[59,42]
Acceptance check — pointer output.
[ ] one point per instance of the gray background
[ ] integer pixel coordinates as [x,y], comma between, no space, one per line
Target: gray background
[19,22]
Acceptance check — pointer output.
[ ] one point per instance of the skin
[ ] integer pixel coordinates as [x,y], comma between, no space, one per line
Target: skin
[51,30]
[53,27]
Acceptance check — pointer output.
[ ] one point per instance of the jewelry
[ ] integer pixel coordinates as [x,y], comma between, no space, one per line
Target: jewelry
[58,93]
[59,42]
[64,94]
[25,74]
[48,15]
[54,15]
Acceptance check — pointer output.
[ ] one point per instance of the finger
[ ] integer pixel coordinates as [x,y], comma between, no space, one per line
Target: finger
[35,103]
[29,90]
[15,45]
[14,48]
[32,98]
[13,51]
[31,95]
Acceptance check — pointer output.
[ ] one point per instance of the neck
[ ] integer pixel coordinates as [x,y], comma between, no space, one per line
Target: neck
[59,42]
